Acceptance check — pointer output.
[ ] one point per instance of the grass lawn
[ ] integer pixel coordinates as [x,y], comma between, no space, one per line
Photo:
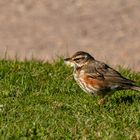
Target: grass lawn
[42,101]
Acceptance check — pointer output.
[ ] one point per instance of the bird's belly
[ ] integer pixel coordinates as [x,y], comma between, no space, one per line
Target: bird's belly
[84,86]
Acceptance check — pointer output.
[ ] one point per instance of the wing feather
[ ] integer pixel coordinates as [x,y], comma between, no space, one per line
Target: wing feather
[101,71]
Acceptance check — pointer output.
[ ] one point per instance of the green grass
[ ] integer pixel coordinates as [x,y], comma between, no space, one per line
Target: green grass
[42,101]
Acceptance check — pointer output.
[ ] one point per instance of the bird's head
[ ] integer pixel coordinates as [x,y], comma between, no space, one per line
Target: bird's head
[78,59]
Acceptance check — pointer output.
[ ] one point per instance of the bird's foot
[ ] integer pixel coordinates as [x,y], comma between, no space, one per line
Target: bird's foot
[101,101]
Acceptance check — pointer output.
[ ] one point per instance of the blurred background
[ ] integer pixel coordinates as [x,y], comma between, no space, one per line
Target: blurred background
[46,29]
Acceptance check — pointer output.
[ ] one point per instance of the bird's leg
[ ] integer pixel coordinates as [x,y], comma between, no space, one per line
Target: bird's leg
[102,100]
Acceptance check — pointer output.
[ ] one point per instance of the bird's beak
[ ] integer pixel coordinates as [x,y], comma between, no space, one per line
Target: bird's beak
[69,62]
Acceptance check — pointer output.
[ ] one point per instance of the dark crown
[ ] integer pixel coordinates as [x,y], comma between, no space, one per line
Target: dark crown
[82,54]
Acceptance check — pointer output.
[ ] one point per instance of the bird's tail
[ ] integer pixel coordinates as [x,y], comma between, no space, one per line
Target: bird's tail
[136,88]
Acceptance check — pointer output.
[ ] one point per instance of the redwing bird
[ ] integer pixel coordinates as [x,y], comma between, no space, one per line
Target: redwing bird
[97,78]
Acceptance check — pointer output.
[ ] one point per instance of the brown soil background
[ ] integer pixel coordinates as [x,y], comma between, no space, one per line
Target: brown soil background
[44,29]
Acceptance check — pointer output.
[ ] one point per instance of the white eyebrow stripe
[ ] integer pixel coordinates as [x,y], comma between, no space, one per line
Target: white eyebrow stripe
[81,56]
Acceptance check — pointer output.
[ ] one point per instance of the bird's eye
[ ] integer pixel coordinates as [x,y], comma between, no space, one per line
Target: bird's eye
[75,59]
[78,58]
